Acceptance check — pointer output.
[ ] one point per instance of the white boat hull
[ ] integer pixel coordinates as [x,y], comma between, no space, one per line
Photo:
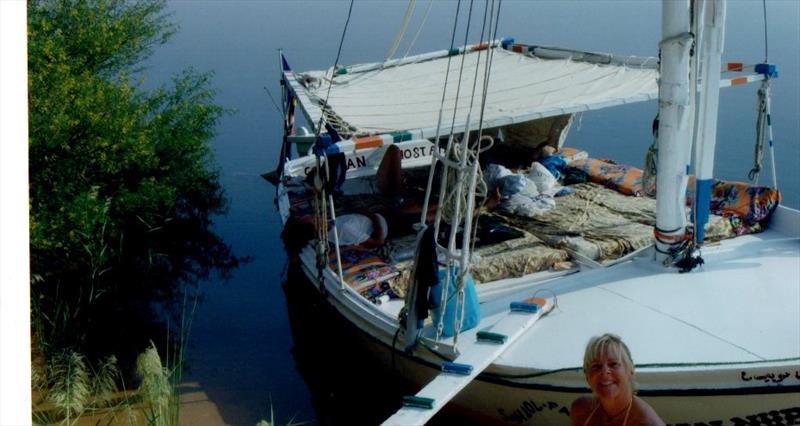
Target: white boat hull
[728,394]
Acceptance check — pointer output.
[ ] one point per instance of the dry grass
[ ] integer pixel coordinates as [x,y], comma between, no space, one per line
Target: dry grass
[67,392]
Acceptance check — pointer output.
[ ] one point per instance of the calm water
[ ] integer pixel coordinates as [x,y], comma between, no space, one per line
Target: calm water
[252,342]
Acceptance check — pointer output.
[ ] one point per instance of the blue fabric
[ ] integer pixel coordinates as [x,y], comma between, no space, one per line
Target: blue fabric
[565,191]
[323,142]
[285,63]
[554,164]
[512,184]
[472,309]
[333,133]
[337,167]
[701,207]
[769,70]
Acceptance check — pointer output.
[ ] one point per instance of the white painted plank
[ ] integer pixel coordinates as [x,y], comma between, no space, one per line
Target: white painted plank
[479,355]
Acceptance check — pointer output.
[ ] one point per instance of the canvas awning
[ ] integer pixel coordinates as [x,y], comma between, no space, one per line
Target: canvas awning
[521,88]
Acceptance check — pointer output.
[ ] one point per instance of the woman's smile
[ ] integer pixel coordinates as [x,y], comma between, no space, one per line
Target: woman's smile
[608,376]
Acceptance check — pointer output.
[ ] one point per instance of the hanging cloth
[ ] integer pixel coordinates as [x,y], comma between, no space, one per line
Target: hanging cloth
[426,273]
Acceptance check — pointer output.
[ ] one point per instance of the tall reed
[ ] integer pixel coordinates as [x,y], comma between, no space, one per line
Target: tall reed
[160,381]
[271,421]
[156,391]
[67,387]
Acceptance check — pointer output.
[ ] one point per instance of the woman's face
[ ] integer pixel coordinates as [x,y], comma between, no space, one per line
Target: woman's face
[608,377]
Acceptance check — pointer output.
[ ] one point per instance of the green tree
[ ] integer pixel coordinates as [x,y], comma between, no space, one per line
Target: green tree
[122,179]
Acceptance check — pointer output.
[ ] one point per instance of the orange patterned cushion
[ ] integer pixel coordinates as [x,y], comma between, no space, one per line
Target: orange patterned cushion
[620,177]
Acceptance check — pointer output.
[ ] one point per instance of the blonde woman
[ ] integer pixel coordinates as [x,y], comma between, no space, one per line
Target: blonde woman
[609,371]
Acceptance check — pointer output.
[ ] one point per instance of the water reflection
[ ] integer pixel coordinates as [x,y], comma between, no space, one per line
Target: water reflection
[145,296]
[157,295]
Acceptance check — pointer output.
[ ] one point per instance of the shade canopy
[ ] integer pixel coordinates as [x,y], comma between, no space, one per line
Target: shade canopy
[521,88]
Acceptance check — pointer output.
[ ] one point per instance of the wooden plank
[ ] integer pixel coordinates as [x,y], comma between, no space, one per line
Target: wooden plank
[477,354]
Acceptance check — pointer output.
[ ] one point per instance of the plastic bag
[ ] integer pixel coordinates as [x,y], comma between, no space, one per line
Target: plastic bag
[494,174]
[472,308]
[518,184]
[544,180]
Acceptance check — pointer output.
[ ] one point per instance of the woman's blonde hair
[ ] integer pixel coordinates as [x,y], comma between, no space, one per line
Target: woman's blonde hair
[612,345]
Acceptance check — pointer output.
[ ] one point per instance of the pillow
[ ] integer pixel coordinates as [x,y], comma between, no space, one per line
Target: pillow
[743,203]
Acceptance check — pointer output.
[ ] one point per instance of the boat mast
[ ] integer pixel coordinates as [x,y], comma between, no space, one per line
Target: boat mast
[678,125]
[674,129]
[711,47]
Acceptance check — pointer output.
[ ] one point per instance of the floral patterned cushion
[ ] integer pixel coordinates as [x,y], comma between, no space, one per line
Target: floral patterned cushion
[747,206]
[362,268]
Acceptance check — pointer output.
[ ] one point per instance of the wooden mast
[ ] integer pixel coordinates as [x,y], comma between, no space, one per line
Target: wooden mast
[674,130]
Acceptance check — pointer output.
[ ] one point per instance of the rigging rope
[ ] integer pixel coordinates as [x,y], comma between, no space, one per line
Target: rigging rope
[467,182]
[487,73]
[696,69]
[419,29]
[764,120]
[766,42]
[761,131]
[274,103]
[338,55]
[450,214]
[455,221]
[399,37]
[321,203]
[428,191]
[448,150]
[451,139]
[407,309]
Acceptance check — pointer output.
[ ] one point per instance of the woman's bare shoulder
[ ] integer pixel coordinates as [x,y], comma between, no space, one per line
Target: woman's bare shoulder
[644,414]
[580,409]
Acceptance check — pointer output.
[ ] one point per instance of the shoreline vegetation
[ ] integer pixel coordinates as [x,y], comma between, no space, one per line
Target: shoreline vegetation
[123,188]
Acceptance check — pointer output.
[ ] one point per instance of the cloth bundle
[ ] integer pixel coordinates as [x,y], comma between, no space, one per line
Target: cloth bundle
[527,194]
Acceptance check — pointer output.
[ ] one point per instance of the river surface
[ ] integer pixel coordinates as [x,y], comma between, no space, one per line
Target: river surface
[254,342]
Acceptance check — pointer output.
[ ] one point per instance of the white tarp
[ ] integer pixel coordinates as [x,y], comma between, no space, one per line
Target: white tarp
[521,88]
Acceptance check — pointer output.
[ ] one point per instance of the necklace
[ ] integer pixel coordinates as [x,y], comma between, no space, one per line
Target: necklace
[611,418]
[608,418]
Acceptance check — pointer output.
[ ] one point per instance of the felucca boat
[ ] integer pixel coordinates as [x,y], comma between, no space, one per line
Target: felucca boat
[496,250]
